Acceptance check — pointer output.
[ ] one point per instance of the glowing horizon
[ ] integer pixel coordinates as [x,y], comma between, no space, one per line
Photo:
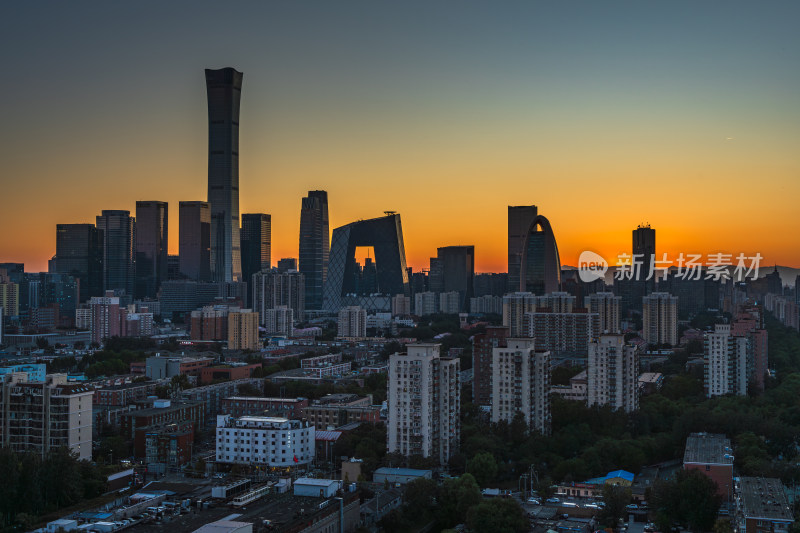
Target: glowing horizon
[604,116]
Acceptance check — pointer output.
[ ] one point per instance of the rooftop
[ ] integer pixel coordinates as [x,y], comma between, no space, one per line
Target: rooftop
[708,448]
[316,482]
[402,471]
[764,498]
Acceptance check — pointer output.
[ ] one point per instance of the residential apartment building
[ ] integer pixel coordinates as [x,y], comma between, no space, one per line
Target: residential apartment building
[424,400]
[483,346]
[660,318]
[606,305]
[711,454]
[521,384]
[726,367]
[279,321]
[243,330]
[426,303]
[38,416]
[212,396]
[238,406]
[762,506]
[336,410]
[613,373]
[267,441]
[352,322]
[560,333]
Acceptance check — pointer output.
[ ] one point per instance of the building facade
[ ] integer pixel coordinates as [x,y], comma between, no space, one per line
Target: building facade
[660,318]
[256,242]
[613,373]
[119,239]
[151,247]
[521,384]
[194,240]
[79,253]
[264,441]
[314,246]
[606,306]
[352,322]
[243,330]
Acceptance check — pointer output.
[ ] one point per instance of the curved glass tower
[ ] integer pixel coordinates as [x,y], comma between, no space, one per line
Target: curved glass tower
[541,265]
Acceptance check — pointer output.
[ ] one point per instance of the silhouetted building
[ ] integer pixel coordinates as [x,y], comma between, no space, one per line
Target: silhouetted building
[287,264]
[458,269]
[644,245]
[256,244]
[489,285]
[224,88]
[660,319]
[119,231]
[79,253]
[385,236]
[194,240]
[606,305]
[314,246]
[520,219]
[272,289]
[151,247]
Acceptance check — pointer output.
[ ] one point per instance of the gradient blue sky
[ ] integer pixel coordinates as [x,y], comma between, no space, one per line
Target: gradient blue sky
[604,114]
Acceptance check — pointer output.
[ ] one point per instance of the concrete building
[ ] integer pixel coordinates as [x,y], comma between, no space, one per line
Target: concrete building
[194,238]
[279,321]
[33,371]
[108,317]
[762,506]
[399,475]
[352,322]
[314,246]
[613,373]
[424,400]
[264,441]
[660,318]
[161,413]
[483,346]
[521,384]
[401,305]
[168,366]
[561,333]
[426,303]
[606,305]
[515,305]
[336,410]
[44,415]
[151,247]
[725,367]
[238,406]
[212,396]
[486,304]
[449,302]
[118,230]
[577,390]
[273,289]
[210,374]
[243,330]
[316,488]
[712,455]
[226,526]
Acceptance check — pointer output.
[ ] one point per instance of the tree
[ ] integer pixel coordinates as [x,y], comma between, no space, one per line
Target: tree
[616,497]
[483,467]
[498,515]
[690,499]
[420,495]
[456,496]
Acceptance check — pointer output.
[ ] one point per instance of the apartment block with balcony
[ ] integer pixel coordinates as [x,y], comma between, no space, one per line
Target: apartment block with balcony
[521,384]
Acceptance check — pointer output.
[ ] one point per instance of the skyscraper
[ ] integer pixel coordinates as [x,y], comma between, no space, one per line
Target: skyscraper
[151,247]
[644,244]
[119,231]
[540,270]
[224,88]
[79,253]
[458,271]
[314,246]
[520,218]
[194,236]
[256,244]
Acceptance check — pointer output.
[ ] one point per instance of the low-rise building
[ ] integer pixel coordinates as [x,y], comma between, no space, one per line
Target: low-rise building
[762,506]
[210,374]
[399,475]
[264,441]
[161,413]
[712,455]
[336,410]
[577,390]
[238,406]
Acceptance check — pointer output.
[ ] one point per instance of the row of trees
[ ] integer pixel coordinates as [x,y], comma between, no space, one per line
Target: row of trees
[33,485]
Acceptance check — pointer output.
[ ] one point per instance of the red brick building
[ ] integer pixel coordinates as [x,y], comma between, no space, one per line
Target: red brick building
[124,394]
[169,444]
[227,373]
[163,412]
[712,455]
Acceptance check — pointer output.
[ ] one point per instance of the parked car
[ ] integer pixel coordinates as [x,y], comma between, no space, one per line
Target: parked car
[552,500]
[632,507]
[534,501]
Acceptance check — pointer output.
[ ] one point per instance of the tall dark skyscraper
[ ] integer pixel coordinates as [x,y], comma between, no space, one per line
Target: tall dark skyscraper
[458,271]
[194,240]
[151,247]
[256,244]
[644,243]
[119,236]
[314,246]
[224,88]
[541,265]
[520,218]
[79,253]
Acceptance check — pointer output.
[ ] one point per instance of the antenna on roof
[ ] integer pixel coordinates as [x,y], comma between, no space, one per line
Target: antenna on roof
[390,213]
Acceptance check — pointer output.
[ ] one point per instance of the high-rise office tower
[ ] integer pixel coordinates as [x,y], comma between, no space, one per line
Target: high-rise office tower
[314,246]
[224,88]
[424,401]
[521,384]
[119,237]
[151,247]
[644,244]
[256,244]
[458,271]
[606,305]
[660,318]
[287,264]
[79,253]
[541,265]
[613,373]
[520,218]
[194,236]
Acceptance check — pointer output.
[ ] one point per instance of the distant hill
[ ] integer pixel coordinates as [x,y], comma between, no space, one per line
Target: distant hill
[788,274]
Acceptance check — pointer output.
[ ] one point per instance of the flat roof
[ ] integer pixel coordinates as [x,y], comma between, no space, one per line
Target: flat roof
[316,482]
[764,498]
[402,471]
[708,448]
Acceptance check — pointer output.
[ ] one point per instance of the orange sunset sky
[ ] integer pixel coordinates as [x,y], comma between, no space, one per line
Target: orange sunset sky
[682,115]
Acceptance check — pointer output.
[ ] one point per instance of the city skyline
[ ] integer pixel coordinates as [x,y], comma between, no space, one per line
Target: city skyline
[550,106]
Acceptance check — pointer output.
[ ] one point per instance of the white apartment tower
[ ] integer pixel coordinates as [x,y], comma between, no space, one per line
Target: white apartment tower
[660,318]
[521,383]
[515,305]
[426,303]
[265,441]
[279,320]
[725,365]
[424,397]
[352,322]
[606,305]
[401,305]
[613,373]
